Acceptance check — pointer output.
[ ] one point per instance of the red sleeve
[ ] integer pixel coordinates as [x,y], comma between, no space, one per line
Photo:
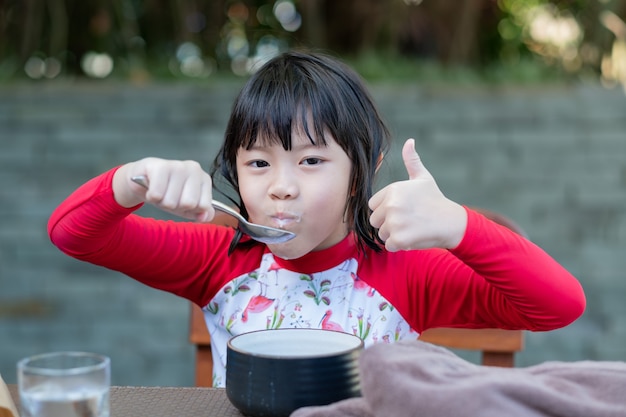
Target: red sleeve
[494,278]
[178,257]
[524,277]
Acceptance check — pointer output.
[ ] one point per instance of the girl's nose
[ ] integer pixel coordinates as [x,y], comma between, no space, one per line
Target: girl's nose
[283,186]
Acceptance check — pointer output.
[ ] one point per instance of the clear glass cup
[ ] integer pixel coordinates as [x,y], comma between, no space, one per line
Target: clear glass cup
[64,384]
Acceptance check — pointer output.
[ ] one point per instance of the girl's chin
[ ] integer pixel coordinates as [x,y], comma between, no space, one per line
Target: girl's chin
[288,251]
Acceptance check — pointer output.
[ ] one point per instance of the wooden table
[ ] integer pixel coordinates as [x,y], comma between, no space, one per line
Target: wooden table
[164,402]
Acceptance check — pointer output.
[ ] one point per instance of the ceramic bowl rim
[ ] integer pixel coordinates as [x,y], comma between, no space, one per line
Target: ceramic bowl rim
[248,353]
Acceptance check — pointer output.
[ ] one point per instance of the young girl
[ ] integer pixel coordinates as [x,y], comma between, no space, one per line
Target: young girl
[301,150]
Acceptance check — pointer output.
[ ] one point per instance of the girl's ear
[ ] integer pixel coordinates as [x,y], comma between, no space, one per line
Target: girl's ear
[379,162]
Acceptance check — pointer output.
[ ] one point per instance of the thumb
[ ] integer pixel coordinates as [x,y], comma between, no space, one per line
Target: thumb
[412,161]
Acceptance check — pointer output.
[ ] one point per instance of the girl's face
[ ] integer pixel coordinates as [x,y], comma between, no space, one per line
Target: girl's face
[302,190]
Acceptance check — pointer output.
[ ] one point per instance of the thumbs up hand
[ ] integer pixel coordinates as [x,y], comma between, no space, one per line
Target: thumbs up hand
[414,214]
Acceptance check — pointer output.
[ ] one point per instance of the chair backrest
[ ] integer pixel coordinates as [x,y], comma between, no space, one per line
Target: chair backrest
[497,346]
[199,336]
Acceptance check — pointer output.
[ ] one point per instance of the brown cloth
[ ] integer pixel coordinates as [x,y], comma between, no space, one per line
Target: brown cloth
[418,379]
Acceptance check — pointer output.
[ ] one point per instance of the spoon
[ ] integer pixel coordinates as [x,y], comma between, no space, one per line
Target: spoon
[264,234]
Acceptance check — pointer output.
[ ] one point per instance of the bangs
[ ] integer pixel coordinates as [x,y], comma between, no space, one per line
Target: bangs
[276,127]
[271,112]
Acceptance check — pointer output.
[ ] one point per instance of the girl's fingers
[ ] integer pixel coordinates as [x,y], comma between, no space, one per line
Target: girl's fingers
[207,212]
[182,188]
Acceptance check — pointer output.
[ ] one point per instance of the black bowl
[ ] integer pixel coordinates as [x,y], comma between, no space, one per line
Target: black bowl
[274,372]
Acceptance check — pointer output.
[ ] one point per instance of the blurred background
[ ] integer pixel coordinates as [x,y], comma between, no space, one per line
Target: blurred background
[195,39]
[516,105]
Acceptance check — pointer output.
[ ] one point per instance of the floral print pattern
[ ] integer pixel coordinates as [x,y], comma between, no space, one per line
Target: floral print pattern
[271,298]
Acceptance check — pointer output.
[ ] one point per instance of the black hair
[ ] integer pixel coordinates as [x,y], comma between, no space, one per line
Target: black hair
[293,89]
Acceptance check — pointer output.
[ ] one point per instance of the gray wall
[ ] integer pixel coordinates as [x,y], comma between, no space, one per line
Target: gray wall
[552,158]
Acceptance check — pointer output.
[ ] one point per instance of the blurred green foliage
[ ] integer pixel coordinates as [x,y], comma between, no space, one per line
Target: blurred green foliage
[464,40]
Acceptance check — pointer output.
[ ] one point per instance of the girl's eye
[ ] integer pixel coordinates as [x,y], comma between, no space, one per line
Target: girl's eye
[259,164]
[312,161]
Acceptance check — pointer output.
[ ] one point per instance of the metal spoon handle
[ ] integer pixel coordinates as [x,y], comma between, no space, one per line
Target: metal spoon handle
[141,180]
[218,205]
[258,232]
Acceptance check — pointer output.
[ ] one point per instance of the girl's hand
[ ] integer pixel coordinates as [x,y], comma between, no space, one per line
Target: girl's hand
[182,188]
[414,214]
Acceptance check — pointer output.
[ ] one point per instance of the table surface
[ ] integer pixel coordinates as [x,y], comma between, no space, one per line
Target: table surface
[164,401]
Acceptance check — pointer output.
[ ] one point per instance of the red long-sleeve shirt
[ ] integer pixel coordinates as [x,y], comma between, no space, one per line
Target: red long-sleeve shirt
[494,278]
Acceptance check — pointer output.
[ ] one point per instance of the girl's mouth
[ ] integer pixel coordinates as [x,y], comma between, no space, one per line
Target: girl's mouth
[283,220]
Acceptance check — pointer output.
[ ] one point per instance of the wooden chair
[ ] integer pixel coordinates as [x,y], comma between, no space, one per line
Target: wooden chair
[199,336]
[497,346]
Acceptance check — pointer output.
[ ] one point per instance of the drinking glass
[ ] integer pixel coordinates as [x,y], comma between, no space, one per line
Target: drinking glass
[64,384]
